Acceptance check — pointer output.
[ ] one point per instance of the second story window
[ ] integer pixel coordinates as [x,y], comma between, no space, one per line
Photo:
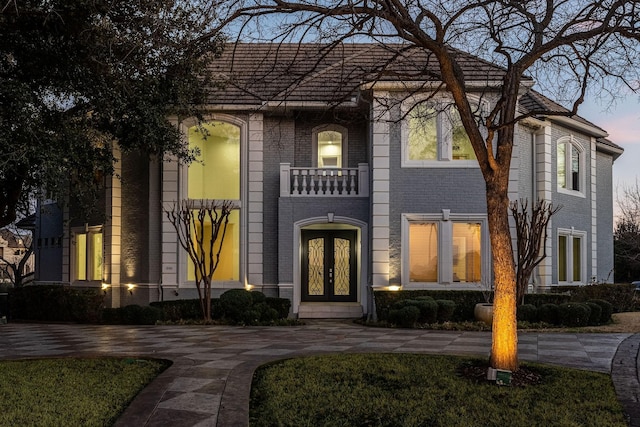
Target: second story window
[330,147]
[434,136]
[570,159]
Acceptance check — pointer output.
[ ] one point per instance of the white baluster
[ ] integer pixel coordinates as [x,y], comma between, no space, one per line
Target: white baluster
[352,177]
[304,188]
[312,182]
[295,181]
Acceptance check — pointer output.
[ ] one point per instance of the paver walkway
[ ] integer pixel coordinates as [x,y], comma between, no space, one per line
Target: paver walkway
[209,381]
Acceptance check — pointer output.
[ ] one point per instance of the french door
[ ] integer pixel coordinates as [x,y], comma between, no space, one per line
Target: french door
[329,265]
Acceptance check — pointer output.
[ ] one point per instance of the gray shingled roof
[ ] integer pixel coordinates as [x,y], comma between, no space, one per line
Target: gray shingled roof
[251,74]
[533,101]
[257,73]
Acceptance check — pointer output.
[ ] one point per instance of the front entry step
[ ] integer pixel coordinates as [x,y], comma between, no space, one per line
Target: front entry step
[330,310]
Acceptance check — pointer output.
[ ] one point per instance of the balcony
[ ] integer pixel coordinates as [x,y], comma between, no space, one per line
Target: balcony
[327,182]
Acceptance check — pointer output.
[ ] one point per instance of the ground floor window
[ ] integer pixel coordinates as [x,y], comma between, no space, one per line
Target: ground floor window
[229,264]
[444,248]
[571,249]
[87,254]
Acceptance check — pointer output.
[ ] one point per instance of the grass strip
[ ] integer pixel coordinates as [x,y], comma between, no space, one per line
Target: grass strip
[71,392]
[423,390]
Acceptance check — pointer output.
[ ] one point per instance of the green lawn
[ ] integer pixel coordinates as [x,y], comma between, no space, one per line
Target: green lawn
[71,392]
[423,390]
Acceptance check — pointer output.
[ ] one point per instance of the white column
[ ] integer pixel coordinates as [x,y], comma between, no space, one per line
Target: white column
[594,214]
[113,230]
[380,194]
[544,182]
[255,204]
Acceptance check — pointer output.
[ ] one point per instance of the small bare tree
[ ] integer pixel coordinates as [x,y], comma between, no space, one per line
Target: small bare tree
[201,226]
[627,234]
[15,266]
[531,234]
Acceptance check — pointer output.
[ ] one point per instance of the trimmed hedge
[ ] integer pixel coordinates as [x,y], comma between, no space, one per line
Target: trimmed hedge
[548,313]
[464,301]
[446,308]
[607,310]
[132,315]
[235,306]
[620,295]
[56,303]
[541,299]
[527,313]
[574,314]
[185,309]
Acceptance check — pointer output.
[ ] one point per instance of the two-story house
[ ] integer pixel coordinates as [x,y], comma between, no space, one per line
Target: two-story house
[347,177]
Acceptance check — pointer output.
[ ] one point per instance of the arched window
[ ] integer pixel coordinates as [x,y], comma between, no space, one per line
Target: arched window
[570,159]
[216,175]
[330,146]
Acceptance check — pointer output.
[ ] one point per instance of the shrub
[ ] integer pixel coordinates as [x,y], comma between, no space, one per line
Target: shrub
[465,301]
[404,317]
[596,313]
[257,297]
[179,309]
[540,299]
[57,303]
[235,303]
[607,310]
[620,295]
[548,313]
[150,315]
[428,308]
[281,305]
[527,313]
[574,314]
[132,315]
[446,308]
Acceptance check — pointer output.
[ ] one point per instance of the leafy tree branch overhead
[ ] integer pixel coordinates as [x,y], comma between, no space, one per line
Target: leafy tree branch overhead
[77,76]
[568,48]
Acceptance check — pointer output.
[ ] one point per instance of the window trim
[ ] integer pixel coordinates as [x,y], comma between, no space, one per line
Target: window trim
[573,144]
[345,143]
[445,221]
[98,229]
[443,127]
[571,233]
[239,204]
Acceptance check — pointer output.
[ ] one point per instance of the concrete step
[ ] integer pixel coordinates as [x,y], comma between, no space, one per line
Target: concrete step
[330,310]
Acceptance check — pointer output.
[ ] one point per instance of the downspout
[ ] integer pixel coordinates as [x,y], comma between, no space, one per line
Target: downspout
[534,197]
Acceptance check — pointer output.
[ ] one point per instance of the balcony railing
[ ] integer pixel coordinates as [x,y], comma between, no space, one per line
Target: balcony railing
[324,182]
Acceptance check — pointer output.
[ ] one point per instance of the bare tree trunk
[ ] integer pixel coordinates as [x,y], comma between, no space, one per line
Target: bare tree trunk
[504,344]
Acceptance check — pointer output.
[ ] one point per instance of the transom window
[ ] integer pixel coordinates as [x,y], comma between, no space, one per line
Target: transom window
[87,254]
[444,249]
[570,159]
[571,248]
[215,175]
[434,133]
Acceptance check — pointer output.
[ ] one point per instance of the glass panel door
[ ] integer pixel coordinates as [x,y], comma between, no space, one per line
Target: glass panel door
[329,265]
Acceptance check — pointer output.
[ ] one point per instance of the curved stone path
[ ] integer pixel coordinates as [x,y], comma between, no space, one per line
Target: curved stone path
[209,381]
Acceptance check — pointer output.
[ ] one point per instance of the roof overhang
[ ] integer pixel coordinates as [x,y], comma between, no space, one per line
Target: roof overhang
[615,152]
[575,124]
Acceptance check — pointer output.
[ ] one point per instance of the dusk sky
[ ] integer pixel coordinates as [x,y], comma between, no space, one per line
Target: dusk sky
[622,121]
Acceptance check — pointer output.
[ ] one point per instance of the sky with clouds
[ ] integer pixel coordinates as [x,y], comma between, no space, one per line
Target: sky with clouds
[622,122]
